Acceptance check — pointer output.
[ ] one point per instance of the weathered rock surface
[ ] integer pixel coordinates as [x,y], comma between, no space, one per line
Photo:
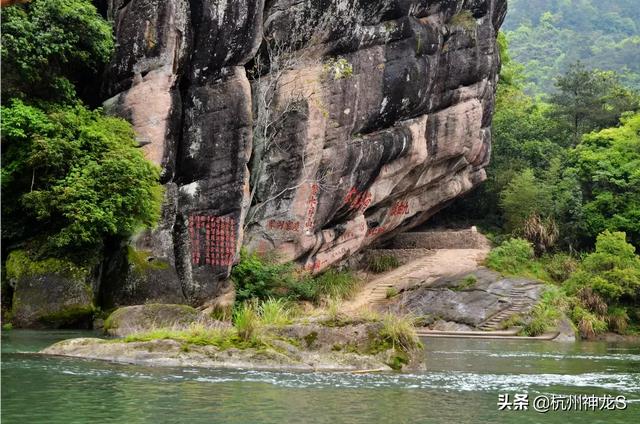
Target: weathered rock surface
[462,303]
[52,300]
[308,347]
[139,318]
[307,128]
[170,353]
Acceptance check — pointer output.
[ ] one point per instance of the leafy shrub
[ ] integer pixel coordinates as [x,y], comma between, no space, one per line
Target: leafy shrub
[589,324]
[525,196]
[560,266]
[511,257]
[612,271]
[259,278]
[618,320]
[383,263]
[592,301]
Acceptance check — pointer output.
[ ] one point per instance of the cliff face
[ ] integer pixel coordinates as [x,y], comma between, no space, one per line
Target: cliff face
[311,128]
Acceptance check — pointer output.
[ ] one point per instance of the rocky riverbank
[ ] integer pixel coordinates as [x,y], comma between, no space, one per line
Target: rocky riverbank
[312,343]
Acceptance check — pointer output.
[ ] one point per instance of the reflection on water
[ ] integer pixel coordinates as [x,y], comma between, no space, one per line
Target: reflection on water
[461,386]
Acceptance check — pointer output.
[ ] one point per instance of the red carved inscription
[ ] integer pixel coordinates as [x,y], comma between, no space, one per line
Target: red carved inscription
[357,200]
[400,208]
[275,224]
[311,209]
[213,240]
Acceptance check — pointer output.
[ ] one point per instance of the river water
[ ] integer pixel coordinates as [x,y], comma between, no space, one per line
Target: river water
[462,385]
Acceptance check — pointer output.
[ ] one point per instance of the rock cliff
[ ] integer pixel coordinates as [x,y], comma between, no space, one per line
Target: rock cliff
[311,128]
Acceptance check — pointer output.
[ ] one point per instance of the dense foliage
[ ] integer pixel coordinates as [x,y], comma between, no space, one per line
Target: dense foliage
[259,277]
[607,165]
[52,48]
[599,291]
[547,186]
[547,36]
[563,188]
[71,177]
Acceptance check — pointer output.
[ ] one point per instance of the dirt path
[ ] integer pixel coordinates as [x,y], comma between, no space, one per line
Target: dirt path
[424,270]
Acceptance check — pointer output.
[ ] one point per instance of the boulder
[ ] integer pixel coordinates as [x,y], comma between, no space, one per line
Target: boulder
[133,277]
[466,301]
[49,293]
[566,329]
[141,318]
[307,347]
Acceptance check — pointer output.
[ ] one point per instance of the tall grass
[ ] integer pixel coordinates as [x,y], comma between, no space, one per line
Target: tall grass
[275,312]
[400,332]
[246,320]
[336,284]
[545,315]
[383,263]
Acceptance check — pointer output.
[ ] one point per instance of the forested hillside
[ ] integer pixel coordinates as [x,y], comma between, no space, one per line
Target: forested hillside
[562,198]
[546,36]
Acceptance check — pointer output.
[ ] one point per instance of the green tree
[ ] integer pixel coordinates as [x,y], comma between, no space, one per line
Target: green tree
[72,177]
[588,100]
[524,197]
[607,164]
[52,47]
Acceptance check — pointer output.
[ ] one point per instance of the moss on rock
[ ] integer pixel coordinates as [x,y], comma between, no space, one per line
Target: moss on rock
[49,293]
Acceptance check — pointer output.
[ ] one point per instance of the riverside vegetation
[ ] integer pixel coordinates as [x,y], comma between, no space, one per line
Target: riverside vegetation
[562,199]
[564,174]
[73,179]
[273,333]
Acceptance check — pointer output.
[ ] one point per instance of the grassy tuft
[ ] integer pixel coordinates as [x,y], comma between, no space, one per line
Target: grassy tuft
[247,321]
[197,334]
[466,283]
[383,263]
[545,315]
[391,292]
[275,312]
[336,284]
[400,332]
